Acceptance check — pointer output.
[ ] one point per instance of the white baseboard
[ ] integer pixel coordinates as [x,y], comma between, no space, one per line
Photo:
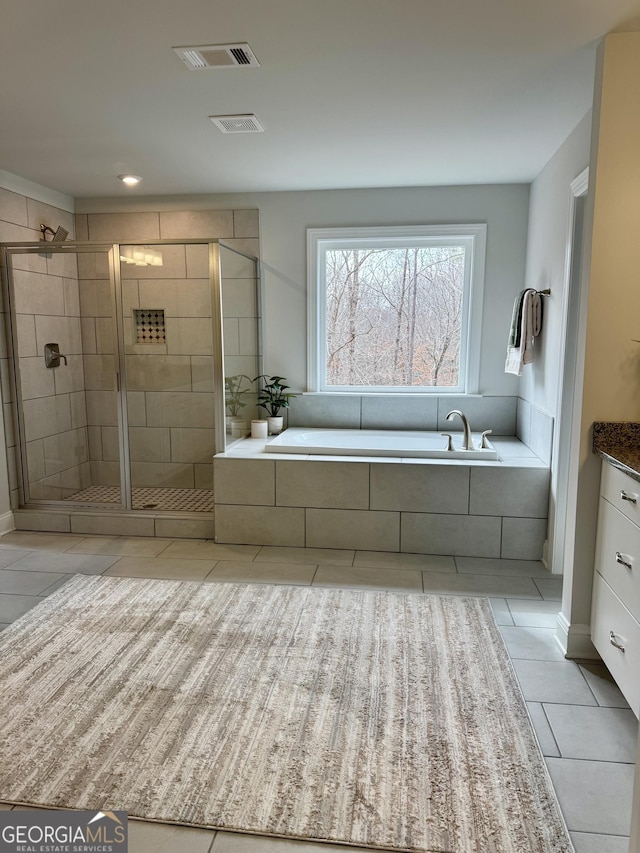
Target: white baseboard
[7,523]
[575,640]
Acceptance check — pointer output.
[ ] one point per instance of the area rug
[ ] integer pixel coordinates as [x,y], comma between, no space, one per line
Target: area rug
[367,718]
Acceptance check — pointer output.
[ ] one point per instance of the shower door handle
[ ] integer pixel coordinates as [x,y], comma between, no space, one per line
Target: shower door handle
[52,355]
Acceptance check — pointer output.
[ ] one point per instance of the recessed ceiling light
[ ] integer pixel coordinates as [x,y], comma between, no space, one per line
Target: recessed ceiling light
[130,180]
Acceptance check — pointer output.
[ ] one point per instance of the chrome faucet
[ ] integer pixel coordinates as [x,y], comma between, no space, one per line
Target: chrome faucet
[467,441]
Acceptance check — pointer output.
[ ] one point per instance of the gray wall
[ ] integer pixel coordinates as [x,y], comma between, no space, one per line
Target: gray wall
[546,261]
[549,228]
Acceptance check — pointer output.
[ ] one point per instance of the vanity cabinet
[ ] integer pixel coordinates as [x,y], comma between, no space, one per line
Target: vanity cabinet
[615,616]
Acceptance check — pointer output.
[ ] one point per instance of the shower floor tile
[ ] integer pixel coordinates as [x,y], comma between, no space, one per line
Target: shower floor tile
[173,500]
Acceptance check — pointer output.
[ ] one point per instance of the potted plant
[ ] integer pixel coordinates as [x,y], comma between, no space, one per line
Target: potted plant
[236,390]
[273,395]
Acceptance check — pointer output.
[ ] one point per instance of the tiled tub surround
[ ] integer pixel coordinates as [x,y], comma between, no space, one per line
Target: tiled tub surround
[534,427]
[478,509]
[504,415]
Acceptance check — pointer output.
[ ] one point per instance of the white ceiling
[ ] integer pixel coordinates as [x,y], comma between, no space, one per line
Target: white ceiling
[352,93]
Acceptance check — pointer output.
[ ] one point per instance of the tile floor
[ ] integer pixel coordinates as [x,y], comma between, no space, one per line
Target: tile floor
[586,730]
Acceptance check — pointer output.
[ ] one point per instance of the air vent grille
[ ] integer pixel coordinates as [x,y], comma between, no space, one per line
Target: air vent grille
[240,55]
[237,124]
[205,57]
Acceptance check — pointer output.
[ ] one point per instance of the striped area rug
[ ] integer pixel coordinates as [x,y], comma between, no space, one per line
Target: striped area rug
[367,718]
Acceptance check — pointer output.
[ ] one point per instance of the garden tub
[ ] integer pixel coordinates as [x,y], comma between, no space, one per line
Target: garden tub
[376,442]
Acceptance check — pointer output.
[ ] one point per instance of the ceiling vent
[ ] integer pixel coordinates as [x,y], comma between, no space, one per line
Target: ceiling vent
[237,124]
[216,56]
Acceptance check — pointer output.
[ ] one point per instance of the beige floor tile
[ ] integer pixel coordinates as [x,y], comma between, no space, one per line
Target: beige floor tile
[162,838]
[550,588]
[424,562]
[236,842]
[501,611]
[277,554]
[534,614]
[543,730]
[12,607]
[287,573]
[553,682]
[399,580]
[493,585]
[10,555]
[587,842]
[595,734]
[5,807]
[27,583]
[487,566]
[29,541]
[56,585]
[63,563]
[531,643]
[595,796]
[199,549]
[121,546]
[602,685]
[149,567]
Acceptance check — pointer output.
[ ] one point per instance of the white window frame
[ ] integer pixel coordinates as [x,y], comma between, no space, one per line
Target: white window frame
[320,240]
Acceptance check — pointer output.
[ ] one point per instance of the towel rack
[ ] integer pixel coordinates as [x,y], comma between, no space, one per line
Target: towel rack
[546,292]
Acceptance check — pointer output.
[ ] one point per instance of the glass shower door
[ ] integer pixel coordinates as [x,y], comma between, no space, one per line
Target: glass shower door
[242,361]
[62,316]
[168,355]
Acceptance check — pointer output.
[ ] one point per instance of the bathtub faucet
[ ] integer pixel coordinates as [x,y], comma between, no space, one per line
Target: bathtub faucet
[467,441]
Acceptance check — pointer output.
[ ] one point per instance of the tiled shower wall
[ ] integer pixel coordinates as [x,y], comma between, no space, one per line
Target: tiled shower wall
[70,413]
[48,310]
[170,384]
[170,399]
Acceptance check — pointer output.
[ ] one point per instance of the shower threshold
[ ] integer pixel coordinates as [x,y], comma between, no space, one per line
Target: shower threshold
[161,499]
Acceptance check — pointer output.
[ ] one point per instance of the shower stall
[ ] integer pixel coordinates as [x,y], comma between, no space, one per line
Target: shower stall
[118,356]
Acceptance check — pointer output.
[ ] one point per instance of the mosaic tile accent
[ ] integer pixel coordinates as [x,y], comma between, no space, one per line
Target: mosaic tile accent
[150,326]
[175,500]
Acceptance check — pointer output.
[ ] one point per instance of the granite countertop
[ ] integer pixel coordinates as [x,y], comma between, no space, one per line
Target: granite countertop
[619,445]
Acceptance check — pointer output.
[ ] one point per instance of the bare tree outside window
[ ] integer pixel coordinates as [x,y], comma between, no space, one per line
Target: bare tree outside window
[394,316]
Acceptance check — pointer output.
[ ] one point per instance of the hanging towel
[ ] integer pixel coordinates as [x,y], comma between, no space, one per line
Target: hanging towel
[516,320]
[527,313]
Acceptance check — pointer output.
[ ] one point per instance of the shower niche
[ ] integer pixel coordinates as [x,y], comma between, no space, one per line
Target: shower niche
[128,417]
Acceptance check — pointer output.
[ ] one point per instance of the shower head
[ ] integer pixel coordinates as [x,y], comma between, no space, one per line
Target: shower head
[58,236]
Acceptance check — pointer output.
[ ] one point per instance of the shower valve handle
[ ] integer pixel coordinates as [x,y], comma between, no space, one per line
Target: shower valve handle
[52,355]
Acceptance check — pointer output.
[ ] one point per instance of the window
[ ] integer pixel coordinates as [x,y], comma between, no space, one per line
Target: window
[395,309]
